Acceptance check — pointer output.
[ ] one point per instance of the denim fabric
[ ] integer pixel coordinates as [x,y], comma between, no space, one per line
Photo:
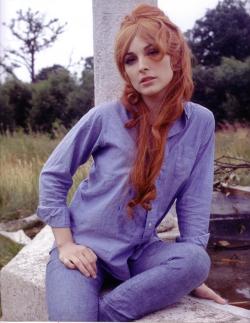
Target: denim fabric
[97,213]
[160,276]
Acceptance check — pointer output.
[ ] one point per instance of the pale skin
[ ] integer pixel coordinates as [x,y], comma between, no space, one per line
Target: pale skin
[150,78]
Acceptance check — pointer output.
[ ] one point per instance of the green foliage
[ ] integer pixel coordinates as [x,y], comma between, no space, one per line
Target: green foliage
[82,98]
[52,104]
[15,105]
[222,32]
[8,249]
[6,113]
[49,101]
[233,141]
[46,72]
[22,157]
[89,63]
[225,89]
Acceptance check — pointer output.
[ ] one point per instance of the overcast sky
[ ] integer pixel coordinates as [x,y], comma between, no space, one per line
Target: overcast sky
[76,41]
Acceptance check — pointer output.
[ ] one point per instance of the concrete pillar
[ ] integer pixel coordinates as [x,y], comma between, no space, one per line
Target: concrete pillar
[107,16]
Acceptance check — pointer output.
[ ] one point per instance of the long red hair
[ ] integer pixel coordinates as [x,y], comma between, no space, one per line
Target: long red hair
[153,26]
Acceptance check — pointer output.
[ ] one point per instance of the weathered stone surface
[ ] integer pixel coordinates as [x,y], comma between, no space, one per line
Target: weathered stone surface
[167,224]
[236,190]
[22,281]
[18,236]
[23,292]
[229,205]
[196,311]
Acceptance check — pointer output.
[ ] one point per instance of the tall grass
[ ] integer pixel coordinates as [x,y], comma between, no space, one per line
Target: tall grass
[22,157]
[233,141]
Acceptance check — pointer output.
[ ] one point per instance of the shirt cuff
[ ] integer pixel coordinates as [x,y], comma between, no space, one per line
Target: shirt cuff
[58,217]
[200,240]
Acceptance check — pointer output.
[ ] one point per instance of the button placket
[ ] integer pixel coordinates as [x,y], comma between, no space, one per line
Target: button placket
[149,226]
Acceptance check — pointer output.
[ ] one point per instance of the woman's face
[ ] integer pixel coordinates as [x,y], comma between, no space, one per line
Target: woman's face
[149,77]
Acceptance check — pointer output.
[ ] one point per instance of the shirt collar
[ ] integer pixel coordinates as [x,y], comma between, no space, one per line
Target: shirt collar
[180,123]
[187,109]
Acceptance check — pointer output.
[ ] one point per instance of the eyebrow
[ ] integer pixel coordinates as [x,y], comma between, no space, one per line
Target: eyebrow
[145,48]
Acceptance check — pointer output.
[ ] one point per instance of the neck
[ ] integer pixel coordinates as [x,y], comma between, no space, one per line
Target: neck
[154,104]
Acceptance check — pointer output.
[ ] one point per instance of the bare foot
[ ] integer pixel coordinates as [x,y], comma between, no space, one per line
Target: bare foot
[203,291]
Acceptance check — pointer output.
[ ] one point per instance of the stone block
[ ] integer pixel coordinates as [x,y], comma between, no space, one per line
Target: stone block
[23,292]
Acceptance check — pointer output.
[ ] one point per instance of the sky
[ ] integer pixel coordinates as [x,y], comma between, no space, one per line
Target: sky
[77,40]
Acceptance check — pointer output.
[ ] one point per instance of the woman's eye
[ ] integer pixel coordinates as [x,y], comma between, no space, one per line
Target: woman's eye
[129,60]
[153,52]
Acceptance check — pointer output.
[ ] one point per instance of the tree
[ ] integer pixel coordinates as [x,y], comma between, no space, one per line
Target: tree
[46,72]
[6,113]
[35,34]
[50,100]
[224,89]
[15,105]
[82,98]
[222,32]
[89,63]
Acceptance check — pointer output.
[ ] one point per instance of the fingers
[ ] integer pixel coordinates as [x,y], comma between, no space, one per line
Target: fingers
[84,260]
[79,257]
[82,264]
[92,258]
[67,263]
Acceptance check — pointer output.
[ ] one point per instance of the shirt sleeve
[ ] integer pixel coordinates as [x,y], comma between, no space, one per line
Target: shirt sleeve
[193,203]
[56,176]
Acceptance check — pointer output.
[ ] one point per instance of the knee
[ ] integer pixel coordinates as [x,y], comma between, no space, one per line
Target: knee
[113,311]
[197,261]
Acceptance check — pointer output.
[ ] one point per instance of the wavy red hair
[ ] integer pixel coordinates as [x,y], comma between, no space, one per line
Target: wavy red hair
[151,24]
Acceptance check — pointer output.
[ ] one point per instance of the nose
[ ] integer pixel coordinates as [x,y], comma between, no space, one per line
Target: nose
[142,64]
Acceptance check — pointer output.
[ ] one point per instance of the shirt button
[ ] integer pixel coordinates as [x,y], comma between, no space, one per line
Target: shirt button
[150,224]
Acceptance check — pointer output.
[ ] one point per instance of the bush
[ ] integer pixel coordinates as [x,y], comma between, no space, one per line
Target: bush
[15,105]
[225,89]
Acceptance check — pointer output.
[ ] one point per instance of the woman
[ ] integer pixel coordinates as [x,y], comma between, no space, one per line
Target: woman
[150,148]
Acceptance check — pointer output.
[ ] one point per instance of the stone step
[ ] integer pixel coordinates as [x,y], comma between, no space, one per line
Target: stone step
[23,292]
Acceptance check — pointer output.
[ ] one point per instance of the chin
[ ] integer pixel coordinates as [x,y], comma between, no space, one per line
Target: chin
[150,93]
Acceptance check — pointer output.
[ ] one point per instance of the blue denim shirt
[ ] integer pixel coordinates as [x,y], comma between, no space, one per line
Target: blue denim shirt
[97,213]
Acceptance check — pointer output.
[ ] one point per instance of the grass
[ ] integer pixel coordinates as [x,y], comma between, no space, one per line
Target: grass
[22,157]
[233,141]
[8,250]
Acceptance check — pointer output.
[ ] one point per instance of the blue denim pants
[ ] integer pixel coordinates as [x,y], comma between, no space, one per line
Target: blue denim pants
[163,273]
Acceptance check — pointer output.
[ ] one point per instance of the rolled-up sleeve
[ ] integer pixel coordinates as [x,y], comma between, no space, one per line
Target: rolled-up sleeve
[56,176]
[193,203]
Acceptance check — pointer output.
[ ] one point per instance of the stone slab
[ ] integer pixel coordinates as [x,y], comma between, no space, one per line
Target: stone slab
[23,292]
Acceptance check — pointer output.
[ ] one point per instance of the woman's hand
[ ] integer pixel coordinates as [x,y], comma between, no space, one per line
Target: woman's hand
[77,256]
[203,291]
